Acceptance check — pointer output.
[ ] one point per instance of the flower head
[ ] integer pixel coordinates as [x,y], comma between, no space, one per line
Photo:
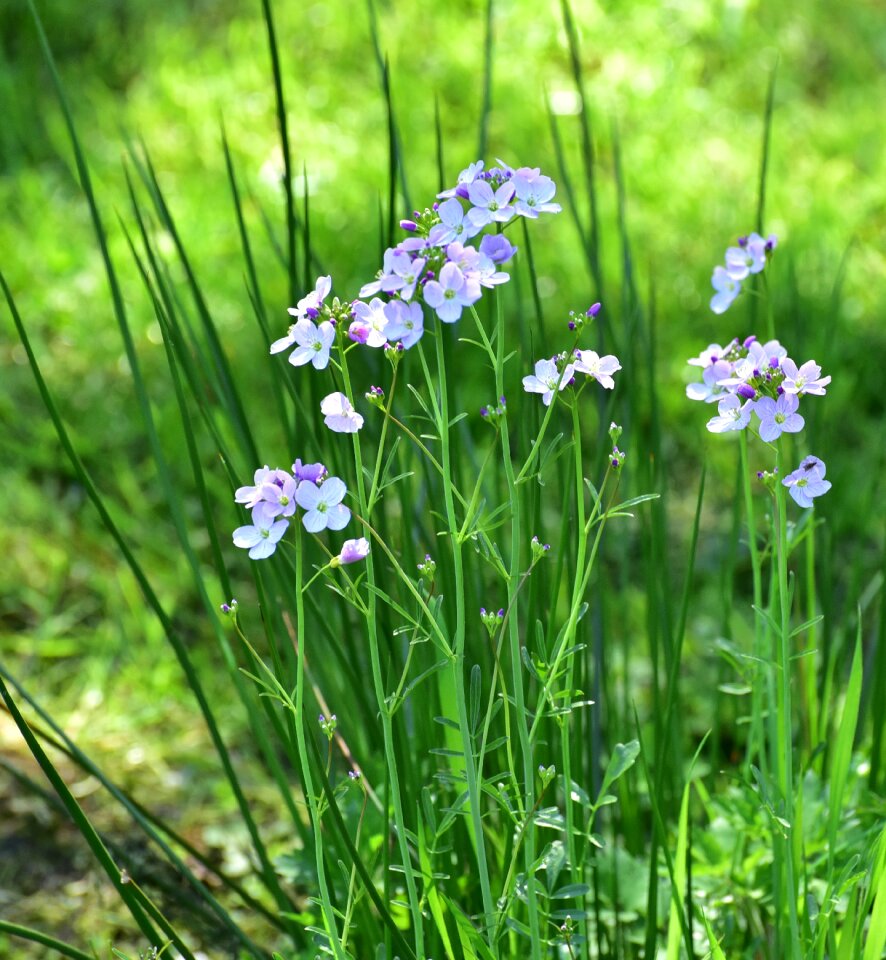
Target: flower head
[778,416]
[597,367]
[340,415]
[314,472]
[534,195]
[323,505]
[807,379]
[807,482]
[406,322]
[370,323]
[547,379]
[490,206]
[261,537]
[732,414]
[727,290]
[453,225]
[451,294]
[353,551]
[497,247]
[314,343]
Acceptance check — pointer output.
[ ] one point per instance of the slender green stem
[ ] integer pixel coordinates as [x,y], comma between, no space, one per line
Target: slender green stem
[329,916]
[458,662]
[755,738]
[373,489]
[785,729]
[517,537]
[378,686]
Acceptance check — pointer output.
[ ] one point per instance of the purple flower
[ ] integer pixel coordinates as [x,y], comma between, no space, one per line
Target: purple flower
[314,472]
[711,354]
[323,505]
[497,247]
[280,500]
[547,379]
[727,290]
[746,259]
[453,224]
[314,300]
[313,342]
[262,535]
[731,415]
[403,275]
[807,379]
[339,414]
[466,177]
[353,551]
[489,207]
[710,389]
[596,367]
[807,482]
[778,416]
[359,331]
[250,496]
[406,322]
[373,320]
[451,294]
[533,195]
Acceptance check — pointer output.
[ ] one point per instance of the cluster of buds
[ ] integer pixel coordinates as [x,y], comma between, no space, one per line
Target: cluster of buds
[578,320]
[376,396]
[492,620]
[547,774]
[427,568]
[328,726]
[230,609]
[538,548]
[493,415]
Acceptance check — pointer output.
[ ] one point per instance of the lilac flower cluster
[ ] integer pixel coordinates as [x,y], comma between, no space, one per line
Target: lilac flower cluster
[273,499]
[434,265]
[557,373]
[745,378]
[749,256]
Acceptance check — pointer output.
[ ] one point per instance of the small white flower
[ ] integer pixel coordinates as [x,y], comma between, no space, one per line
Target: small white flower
[323,505]
[340,416]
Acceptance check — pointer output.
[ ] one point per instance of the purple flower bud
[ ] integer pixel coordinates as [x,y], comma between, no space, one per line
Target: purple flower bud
[571,325]
[313,472]
[484,411]
[312,312]
[759,474]
[502,401]
[748,341]
[353,551]
[482,611]
[436,206]
[742,241]
[779,389]
[773,362]
[501,614]
[594,309]
[359,331]
[410,225]
[746,391]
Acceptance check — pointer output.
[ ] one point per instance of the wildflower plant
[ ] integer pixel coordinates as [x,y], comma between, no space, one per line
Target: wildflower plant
[426,634]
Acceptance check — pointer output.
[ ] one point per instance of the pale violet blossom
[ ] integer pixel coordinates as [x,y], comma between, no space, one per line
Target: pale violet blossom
[314,343]
[314,300]
[372,319]
[465,178]
[406,323]
[807,482]
[261,537]
[727,290]
[250,496]
[712,353]
[454,225]
[534,195]
[710,389]
[323,505]
[339,414]
[807,379]
[547,379]
[280,499]
[778,416]
[353,551]
[451,294]
[490,206]
[597,367]
[747,258]
[732,414]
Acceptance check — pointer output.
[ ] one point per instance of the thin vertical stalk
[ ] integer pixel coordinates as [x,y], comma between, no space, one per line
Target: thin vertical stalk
[755,737]
[457,664]
[785,742]
[378,685]
[529,845]
[316,820]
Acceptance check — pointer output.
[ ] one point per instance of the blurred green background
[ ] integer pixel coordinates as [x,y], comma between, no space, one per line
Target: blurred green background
[683,83]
